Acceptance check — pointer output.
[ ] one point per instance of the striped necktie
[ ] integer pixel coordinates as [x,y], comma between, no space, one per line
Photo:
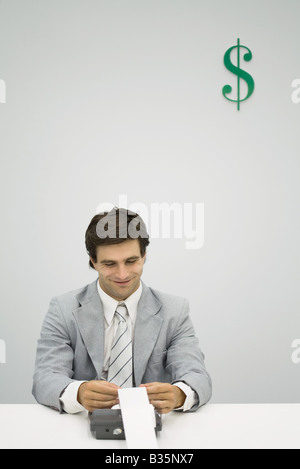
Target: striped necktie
[120,362]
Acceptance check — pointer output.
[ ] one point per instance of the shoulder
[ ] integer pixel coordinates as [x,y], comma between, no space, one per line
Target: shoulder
[168,300]
[73,298]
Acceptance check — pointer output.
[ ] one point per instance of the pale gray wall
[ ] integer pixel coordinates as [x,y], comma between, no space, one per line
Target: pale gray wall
[124,97]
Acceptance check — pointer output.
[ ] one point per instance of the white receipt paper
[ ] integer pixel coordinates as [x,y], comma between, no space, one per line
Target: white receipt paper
[138,418]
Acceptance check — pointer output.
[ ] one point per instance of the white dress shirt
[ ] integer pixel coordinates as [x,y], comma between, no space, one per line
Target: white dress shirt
[69,396]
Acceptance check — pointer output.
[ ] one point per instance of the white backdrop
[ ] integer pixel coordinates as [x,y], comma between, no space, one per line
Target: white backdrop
[124,97]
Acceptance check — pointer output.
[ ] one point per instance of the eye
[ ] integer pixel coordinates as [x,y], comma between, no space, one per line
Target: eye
[131,262]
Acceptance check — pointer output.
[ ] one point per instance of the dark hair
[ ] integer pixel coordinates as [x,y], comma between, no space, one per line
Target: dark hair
[115,227]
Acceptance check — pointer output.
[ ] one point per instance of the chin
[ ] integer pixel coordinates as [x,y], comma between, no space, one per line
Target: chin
[126,290]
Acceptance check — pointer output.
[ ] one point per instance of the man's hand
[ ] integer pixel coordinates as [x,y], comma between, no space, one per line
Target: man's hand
[98,395]
[164,396]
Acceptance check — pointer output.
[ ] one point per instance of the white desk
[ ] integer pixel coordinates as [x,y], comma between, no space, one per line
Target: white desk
[212,426]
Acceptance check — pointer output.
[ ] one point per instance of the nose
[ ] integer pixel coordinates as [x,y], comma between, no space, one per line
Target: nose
[122,273]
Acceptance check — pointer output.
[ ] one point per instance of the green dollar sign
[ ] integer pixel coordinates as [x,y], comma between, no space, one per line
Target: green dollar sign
[240,74]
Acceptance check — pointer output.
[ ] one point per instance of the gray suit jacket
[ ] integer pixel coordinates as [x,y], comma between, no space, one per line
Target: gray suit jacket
[71,346]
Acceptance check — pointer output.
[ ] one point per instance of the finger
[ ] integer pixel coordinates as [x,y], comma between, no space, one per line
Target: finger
[101,398]
[102,384]
[93,405]
[100,401]
[162,407]
[159,393]
[103,387]
[164,399]
[157,387]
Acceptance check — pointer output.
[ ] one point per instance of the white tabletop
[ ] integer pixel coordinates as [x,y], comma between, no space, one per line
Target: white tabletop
[212,426]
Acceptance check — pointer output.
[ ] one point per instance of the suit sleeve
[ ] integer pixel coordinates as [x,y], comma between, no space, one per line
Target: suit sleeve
[185,360]
[54,359]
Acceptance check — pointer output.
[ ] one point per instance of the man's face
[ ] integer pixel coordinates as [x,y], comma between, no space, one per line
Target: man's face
[120,267]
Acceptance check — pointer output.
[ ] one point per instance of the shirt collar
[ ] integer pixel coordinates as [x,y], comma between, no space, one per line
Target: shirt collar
[110,304]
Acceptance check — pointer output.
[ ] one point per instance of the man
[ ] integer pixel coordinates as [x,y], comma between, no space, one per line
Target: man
[117,332]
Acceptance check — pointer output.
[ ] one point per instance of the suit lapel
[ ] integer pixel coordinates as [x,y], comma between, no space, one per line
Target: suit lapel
[90,320]
[147,327]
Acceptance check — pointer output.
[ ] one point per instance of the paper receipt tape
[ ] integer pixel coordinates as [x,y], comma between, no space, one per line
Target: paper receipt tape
[113,424]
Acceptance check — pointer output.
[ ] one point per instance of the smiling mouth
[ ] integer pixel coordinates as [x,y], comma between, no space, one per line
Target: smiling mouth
[122,283]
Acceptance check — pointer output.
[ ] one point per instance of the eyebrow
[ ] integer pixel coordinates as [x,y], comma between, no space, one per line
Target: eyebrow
[132,258]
